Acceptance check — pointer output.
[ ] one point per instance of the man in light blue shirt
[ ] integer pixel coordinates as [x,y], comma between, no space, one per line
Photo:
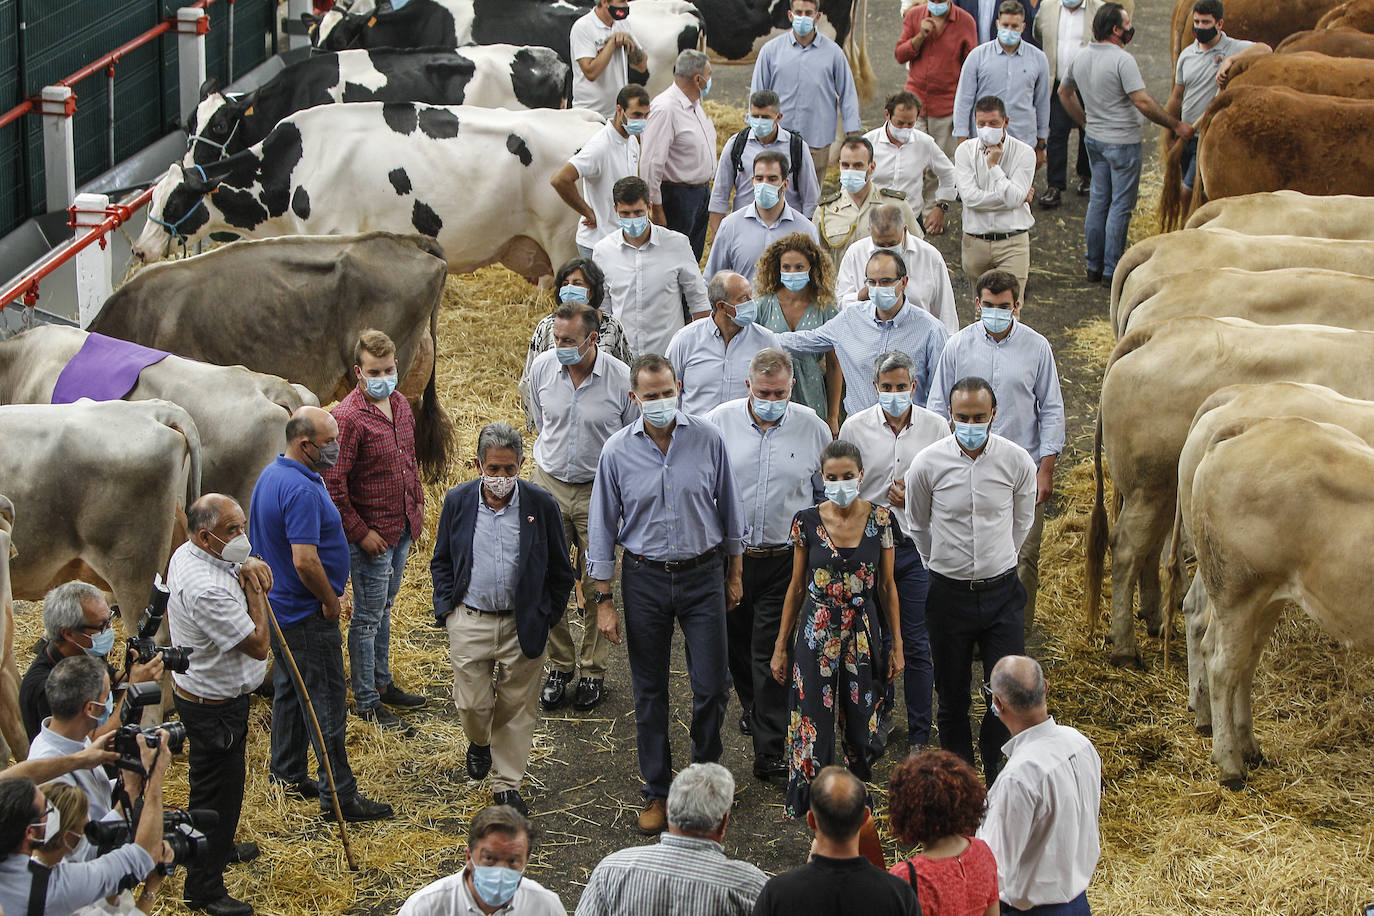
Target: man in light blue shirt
[1016,72]
[711,356]
[665,492]
[859,333]
[1030,408]
[762,132]
[775,449]
[743,236]
[811,76]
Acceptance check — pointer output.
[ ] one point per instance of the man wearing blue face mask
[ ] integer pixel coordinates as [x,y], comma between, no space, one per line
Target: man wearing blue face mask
[744,234]
[984,13]
[610,155]
[970,503]
[679,150]
[1001,347]
[736,169]
[843,217]
[711,357]
[375,483]
[996,179]
[1014,70]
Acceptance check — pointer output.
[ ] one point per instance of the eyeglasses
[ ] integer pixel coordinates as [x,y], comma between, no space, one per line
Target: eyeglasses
[881,281]
[91,628]
[987,694]
[47,812]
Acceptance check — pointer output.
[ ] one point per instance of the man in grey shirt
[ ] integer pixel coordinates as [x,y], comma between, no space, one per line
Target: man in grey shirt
[1114,97]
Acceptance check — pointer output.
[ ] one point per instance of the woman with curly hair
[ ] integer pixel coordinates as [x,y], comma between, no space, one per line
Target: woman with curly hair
[841,581]
[937,800]
[794,291]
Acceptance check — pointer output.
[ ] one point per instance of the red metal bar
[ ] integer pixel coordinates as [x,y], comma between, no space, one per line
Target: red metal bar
[17,112]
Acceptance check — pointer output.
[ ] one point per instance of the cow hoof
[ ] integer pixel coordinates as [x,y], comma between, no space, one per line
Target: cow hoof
[1234,783]
[1255,760]
[1205,730]
[1130,660]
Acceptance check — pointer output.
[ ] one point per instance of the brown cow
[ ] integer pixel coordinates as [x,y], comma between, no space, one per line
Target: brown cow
[1254,20]
[1352,14]
[1331,42]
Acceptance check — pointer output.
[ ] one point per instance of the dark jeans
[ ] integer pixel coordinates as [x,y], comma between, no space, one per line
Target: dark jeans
[1057,147]
[912,586]
[216,737]
[1188,163]
[696,600]
[685,210]
[317,646]
[1078,906]
[752,629]
[958,620]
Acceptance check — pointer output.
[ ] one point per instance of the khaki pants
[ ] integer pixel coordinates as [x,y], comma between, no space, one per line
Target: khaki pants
[496,689]
[1011,254]
[941,130]
[1028,565]
[593,650]
[820,157]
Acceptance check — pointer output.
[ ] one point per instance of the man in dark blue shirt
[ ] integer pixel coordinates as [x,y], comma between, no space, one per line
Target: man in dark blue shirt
[296,528]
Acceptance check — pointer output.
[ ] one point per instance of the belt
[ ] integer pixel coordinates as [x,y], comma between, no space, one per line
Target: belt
[188,695]
[478,610]
[996,236]
[676,565]
[975,585]
[760,553]
[686,184]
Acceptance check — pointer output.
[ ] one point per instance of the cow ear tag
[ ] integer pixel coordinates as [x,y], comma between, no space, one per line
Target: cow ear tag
[371,22]
[249,111]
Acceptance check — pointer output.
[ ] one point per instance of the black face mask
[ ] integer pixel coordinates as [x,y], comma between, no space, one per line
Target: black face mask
[1204,35]
[619,12]
[1127,35]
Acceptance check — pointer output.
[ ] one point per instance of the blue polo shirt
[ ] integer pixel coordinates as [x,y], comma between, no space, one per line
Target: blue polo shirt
[292,506]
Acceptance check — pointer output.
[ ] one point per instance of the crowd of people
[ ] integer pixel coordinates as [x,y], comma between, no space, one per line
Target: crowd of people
[798,458]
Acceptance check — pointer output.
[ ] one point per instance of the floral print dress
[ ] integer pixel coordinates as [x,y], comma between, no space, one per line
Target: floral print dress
[834,687]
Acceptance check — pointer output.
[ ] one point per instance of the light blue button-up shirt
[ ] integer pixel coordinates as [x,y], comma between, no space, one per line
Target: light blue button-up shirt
[1021,368]
[495,556]
[712,372]
[574,422]
[778,469]
[858,338]
[743,235]
[1020,79]
[802,188]
[809,80]
[672,506]
[71,885]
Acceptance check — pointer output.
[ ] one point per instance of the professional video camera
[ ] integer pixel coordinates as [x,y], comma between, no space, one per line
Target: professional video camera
[174,658]
[183,831]
[126,743]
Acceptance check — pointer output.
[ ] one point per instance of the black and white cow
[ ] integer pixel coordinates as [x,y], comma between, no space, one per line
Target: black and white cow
[487,76]
[661,27]
[474,179]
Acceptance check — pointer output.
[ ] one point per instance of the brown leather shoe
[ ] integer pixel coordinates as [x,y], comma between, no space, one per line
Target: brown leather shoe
[654,818]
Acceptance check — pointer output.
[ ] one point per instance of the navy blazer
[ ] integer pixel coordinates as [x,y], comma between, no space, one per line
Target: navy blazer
[971,7]
[545,578]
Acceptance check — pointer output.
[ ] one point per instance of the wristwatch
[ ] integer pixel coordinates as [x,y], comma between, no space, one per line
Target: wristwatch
[1040,144]
[603,596]
[943,205]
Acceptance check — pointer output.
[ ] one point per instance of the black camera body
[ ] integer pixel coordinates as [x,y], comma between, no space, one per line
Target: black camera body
[183,832]
[174,658]
[126,743]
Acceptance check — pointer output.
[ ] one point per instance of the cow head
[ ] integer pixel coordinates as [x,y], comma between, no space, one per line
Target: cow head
[339,28]
[213,124]
[179,211]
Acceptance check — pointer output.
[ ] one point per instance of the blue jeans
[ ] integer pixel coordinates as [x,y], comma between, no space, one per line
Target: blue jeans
[317,647]
[912,587]
[1189,164]
[376,580]
[1116,182]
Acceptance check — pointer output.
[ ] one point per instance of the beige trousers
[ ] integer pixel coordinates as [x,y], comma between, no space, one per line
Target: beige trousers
[496,689]
[941,130]
[1028,565]
[1011,254]
[592,650]
[820,157]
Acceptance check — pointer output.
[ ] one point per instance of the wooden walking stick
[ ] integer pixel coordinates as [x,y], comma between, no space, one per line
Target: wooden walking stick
[321,751]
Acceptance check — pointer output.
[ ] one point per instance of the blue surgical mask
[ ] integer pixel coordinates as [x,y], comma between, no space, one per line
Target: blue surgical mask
[1009,37]
[895,403]
[101,644]
[769,411]
[853,180]
[707,89]
[767,194]
[1072,4]
[971,436]
[635,126]
[803,25]
[661,412]
[842,492]
[883,297]
[939,9]
[795,280]
[495,885]
[995,320]
[380,386]
[761,127]
[634,226]
[570,356]
[745,313]
[571,293]
[107,711]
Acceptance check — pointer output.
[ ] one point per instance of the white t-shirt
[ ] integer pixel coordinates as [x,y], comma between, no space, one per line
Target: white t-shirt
[605,159]
[588,36]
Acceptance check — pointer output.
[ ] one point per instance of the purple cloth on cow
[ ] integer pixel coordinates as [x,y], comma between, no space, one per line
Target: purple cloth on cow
[104,369]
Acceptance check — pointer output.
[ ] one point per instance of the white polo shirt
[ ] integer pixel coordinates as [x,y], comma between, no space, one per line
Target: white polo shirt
[605,159]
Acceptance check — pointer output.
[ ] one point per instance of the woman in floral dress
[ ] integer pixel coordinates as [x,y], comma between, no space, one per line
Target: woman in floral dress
[841,581]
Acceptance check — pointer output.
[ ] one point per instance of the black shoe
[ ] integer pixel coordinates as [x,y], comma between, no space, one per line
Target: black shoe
[395,696]
[513,799]
[385,718]
[746,728]
[243,852]
[1092,276]
[479,761]
[1085,186]
[590,692]
[358,809]
[770,768]
[555,692]
[222,906]
[306,790]
[1050,199]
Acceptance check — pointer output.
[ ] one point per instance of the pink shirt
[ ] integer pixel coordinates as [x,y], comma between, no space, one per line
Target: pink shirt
[678,145]
[962,885]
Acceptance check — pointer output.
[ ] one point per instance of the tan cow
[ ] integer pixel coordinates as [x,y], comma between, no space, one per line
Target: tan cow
[1293,295]
[1331,42]
[1334,216]
[1306,542]
[1252,20]
[13,740]
[1352,14]
[1190,249]
[1347,77]
[1156,378]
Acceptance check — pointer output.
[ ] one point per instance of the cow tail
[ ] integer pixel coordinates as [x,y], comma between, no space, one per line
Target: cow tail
[1173,576]
[856,50]
[182,423]
[1171,192]
[1096,547]
[433,428]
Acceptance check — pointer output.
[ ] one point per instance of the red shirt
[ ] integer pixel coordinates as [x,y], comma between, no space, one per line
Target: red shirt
[962,885]
[933,72]
[376,481]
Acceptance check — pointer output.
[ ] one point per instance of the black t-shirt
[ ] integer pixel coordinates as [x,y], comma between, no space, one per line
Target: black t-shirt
[837,887]
[33,699]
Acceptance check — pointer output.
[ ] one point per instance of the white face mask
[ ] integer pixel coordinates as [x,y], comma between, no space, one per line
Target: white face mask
[52,825]
[990,136]
[236,549]
[499,487]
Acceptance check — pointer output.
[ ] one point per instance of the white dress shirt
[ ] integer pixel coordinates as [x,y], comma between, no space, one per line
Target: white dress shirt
[903,168]
[1070,37]
[927,284]
[711,372]
[574,422]
[777,470]
[995,198]
[450,897]
[605,159]
[645,286]
[1042,816]
[887,455]
[969,517]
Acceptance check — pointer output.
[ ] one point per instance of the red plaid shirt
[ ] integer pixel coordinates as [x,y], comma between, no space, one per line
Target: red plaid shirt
[376,481]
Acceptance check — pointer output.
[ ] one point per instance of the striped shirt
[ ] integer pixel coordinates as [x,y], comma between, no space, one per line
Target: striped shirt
[679,876]
[207,611]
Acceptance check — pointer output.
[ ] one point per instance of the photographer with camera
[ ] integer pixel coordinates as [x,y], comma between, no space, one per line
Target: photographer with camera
[227,630]
[28,820]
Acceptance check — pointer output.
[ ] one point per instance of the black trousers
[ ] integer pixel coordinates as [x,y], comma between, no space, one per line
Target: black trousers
[216,737]
[685,210]
[752,629]
[1057,147]
[959,619]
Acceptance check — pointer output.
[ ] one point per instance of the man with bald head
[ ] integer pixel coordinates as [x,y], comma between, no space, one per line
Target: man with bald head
[711,356]
[927,285]
[299,532]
